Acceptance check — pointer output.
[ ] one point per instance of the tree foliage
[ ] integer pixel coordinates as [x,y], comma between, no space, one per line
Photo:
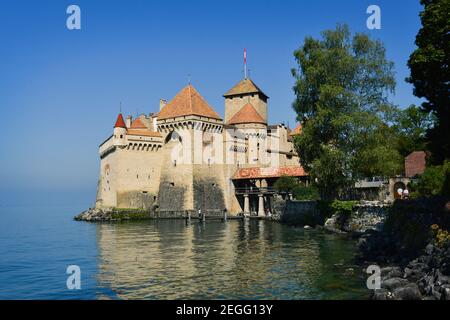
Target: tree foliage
[285,184]
[430,76]
[434,181]
[412,125]
[302,192]
[342,86]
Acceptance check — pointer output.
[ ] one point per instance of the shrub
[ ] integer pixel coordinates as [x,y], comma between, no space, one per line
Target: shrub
[434,181]
[305,193]
[441,236]
[446,185]
[342,209]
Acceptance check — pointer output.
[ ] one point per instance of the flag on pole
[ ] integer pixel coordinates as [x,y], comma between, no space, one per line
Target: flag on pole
[245,63]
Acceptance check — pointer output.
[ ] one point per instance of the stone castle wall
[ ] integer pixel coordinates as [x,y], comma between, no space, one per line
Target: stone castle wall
[141,172]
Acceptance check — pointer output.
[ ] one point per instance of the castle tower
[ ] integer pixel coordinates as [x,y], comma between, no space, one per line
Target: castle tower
[120,130]
[243,93]
[190,181]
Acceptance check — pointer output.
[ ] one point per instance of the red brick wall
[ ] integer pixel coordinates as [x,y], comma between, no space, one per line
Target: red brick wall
[415,163]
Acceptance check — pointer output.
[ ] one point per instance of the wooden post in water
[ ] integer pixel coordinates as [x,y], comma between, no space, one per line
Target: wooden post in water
[225,215]
[188,216]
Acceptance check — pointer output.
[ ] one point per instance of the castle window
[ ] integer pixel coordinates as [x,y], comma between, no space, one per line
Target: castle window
[174,163]
[144,192]
[121,136]
[137,176]
[172,184]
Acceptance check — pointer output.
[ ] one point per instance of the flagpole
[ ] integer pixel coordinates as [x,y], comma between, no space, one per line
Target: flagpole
[245,63]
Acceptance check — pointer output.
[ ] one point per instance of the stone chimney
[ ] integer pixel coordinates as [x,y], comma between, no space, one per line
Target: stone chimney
[162,103]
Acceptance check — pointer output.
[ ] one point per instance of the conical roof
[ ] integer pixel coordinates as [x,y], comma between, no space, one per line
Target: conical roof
[119,122]
[247,114]
[245,86]
[187,102]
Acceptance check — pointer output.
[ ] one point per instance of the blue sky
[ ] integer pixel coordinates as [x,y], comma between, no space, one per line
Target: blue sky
[60,90]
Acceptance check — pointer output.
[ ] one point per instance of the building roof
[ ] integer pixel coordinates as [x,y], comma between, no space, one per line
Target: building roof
[145,133]
[138,124]
[297,130]
[269,172]
[247,114]
[119,122]
[187,102]
[418,154]
[245,86]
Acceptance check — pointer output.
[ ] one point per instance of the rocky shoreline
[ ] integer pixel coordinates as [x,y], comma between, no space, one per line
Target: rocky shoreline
[406,241]
[423,278]
[112,214]
[412,247]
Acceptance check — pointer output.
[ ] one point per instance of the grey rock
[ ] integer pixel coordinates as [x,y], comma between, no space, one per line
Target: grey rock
[445,293]
[409,292]
[393,283]
[391,272]
[380,294]
[429,249]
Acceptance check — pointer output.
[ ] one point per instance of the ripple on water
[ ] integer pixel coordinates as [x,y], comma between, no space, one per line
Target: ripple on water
[171,260]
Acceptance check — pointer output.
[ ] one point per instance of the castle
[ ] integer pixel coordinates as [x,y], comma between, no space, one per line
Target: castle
[187,158]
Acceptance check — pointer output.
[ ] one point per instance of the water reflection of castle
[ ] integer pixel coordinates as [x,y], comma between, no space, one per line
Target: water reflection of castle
[241,259]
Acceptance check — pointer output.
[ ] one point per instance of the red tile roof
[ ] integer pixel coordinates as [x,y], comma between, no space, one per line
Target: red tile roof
[145,133]
[138,124]
[187,102]
[119,122]
[269,172]
[245,86]
[297,130]
[247,114]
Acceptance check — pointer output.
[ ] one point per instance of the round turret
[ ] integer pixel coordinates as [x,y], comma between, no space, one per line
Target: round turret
[120,131]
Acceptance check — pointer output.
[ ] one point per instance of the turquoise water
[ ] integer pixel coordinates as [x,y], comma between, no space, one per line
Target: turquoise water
[170,259]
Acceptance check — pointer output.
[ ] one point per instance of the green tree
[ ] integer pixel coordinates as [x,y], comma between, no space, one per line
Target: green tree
[342,85]
[285,184]
[429,65]
[411,126]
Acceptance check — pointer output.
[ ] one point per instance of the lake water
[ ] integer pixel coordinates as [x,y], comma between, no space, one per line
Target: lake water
[170,259]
